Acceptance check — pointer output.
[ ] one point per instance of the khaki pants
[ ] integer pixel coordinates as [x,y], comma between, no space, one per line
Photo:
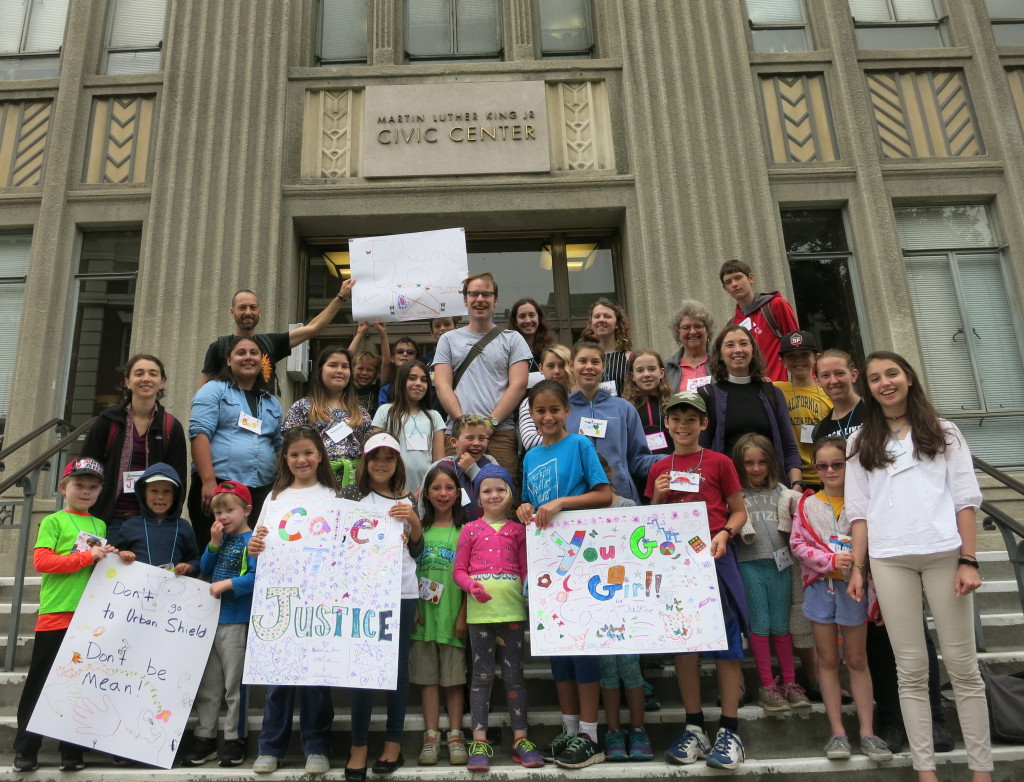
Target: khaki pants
[504,447]
[222,680]
[899,582]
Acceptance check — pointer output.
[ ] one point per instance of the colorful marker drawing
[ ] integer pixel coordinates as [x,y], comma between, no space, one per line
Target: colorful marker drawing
[624,582]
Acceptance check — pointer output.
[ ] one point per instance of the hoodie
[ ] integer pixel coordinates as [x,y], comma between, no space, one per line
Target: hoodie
[764,335]
[159,542]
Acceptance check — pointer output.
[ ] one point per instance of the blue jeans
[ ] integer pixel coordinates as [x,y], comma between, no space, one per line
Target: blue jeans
[398,698]
[316,715]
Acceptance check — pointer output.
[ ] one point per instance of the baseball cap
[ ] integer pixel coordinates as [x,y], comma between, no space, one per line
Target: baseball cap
[83,466]
[491,471]
[232,487]
[798,340]
[162,478]
[382,440]
[688,399]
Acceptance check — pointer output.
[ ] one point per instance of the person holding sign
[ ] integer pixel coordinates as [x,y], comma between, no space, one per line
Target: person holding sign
[689,368]
[69,543]
[696,474]
[159,536]
[235,431]
[126,449]
[303,474]
[333,409]
[912,499]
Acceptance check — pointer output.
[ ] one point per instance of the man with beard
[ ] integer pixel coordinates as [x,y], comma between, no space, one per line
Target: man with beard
[245,311]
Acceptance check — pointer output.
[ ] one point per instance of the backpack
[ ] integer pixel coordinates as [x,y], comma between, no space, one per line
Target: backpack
[112,431]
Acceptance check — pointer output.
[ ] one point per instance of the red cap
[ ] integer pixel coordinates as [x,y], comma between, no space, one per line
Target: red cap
[232,487]
[83,467]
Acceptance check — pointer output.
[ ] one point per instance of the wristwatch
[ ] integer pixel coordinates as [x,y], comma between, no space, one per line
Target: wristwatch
[493,422]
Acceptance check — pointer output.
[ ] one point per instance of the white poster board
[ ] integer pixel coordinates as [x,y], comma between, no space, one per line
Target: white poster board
[624,581]
[409,276]
[326,605]
[130,664]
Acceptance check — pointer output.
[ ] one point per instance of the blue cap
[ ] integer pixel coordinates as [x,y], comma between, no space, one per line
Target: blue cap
[491,471]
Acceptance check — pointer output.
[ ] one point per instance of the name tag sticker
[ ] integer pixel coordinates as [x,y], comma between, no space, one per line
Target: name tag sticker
[656,440]
[465,498]
[904,460]
[806,433]
[840,544]
[593,427]
[417,441]
[128,478]
[696,382]
[250,423]
[783,559]
[86,540]
[747,323]
[609,386]
[339,431]
[431,590]
[684,481]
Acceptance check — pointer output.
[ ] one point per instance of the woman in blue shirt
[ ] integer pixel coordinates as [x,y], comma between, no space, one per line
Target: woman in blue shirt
[235,431]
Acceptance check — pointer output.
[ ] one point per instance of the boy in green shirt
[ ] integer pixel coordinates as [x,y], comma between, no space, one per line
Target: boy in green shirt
[69,543]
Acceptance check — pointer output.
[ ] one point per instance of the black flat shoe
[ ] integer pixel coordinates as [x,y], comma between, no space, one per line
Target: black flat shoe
[388,766]
[355,774]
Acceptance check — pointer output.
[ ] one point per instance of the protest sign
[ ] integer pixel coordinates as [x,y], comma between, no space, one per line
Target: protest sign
[130,663]
[327,600]
[624,581]
[409,276]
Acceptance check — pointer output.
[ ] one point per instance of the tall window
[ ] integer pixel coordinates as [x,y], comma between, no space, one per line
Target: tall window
[898,24]
[452,30]
[820,264]
[1007,18]
[342,32]
[566,30]
[968,325]
[563,272]
[31,34]
[135,36]
[106,276]
[778,25]
[15,250]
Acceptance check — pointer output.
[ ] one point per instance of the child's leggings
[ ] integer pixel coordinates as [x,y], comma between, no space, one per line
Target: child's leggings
[484,640]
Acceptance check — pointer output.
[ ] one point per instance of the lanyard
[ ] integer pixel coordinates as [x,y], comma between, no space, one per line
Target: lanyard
[672,464]
[174,542]
[650,415]
[844,429]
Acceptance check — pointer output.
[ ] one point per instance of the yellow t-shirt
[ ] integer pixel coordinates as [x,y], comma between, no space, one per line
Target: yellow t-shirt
[807,406]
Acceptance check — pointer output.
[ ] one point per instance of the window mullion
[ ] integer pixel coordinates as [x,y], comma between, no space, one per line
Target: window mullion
[965,319]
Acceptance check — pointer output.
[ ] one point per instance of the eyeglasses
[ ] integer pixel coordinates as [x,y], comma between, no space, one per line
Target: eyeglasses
[693,328]
[826,466]
[479,294]
[405,352]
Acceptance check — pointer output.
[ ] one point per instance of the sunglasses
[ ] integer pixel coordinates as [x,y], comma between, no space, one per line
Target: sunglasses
[826,466]
[405,352]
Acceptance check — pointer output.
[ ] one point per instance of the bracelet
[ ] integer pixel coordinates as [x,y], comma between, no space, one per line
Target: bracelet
[969,562]
[859,565]
[732,534]
[969,556]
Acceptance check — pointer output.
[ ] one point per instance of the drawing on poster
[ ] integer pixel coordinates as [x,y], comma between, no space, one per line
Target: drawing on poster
[128,669]
[412,276]
[624,581]
[326,604]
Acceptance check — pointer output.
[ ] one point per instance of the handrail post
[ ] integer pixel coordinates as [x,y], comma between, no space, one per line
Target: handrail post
[28,485]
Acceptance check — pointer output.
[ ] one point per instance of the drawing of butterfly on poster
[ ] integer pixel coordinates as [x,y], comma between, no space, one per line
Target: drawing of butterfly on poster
[405,277]
[624,581]
[327,599]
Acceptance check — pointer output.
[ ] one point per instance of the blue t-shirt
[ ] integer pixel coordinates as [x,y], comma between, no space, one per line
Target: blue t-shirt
[568,468]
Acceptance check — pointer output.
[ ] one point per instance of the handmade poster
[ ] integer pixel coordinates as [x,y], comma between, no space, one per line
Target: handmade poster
[130,664]
[409,276]
[624,581]
[327,600]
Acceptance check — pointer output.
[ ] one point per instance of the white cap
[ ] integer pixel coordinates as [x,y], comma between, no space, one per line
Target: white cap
[382,440]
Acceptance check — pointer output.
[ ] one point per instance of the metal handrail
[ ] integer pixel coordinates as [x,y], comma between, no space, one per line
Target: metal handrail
[999,475]
[44,457]
[33,435]
[1011,529]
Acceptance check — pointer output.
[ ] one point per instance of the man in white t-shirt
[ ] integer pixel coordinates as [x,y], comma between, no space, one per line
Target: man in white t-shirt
[494,383]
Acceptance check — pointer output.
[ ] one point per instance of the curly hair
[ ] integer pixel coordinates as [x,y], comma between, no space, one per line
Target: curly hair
[543,337]
[691,308]
[623,328]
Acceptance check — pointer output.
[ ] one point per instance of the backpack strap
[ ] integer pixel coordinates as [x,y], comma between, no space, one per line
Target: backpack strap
[475,351]
[769,318]
[111,434]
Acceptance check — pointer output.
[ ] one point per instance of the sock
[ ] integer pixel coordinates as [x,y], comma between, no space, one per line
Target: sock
[784,651]
[732,723]
[763,658]
[696,719]
[571,723]
[589,729]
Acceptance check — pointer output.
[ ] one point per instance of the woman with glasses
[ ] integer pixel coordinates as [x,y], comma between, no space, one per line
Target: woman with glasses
[689,368]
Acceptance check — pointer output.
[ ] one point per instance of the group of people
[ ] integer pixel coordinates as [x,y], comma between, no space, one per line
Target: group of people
[818,501]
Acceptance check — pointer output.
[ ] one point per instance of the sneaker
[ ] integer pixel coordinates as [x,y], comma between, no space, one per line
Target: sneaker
[25,761]
[479,752]
[795,696]
[692,745]
[317,764]
[265,764]
[838,748]
[728,750]
[650,702]
[525,751]
[457,755]
[875,749]
[941,740]
[773,699]
[615,746]
[639,745]
[431,748]
[72,760]
[202,750]
[556,747]
[233,753]
[580,753]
